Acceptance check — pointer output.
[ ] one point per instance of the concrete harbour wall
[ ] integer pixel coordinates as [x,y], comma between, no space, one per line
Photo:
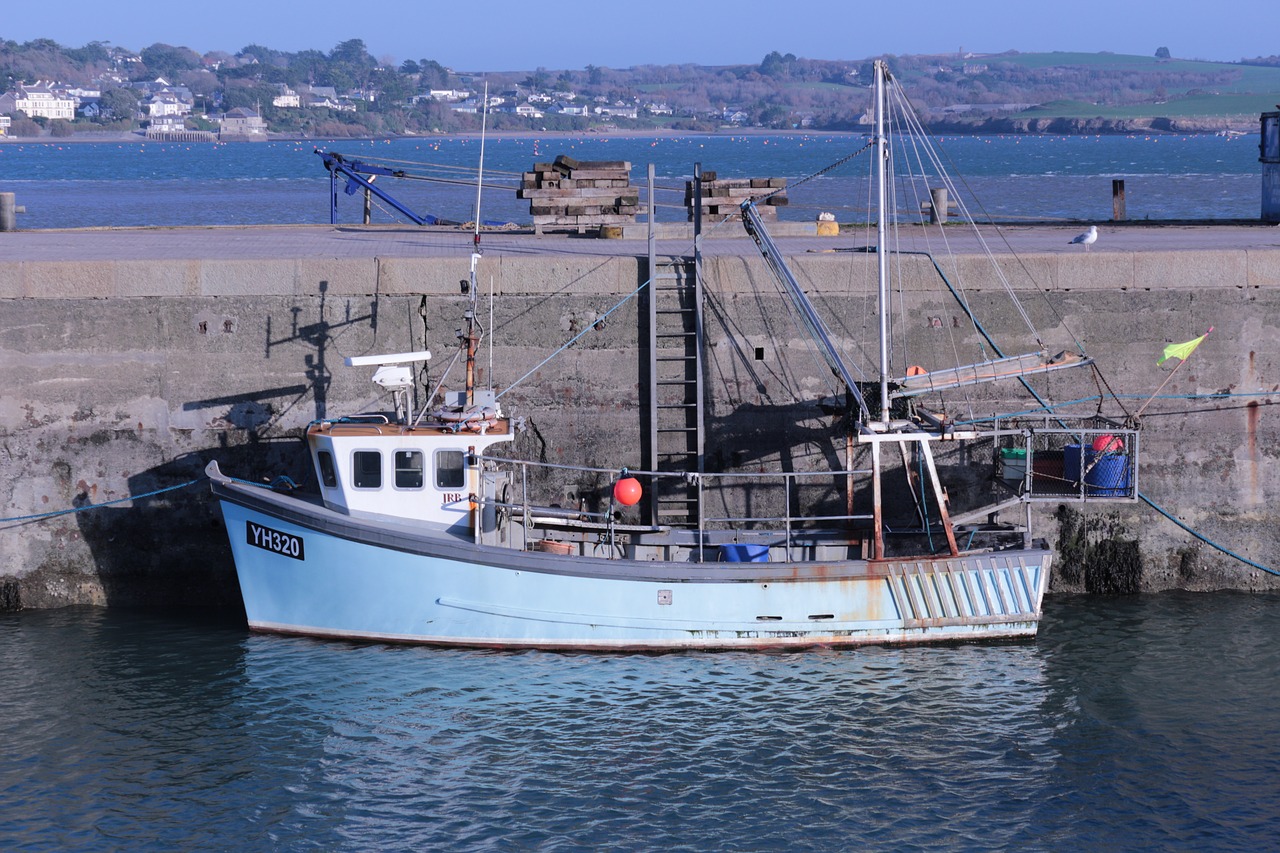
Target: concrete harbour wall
[124,377]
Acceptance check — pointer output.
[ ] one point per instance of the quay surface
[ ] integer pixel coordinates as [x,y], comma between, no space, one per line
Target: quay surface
[324,241]
[136,355]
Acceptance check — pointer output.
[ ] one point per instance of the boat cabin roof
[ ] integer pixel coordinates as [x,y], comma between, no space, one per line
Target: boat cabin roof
[502,426]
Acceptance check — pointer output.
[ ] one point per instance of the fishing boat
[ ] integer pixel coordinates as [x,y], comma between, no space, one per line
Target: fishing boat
[425,526]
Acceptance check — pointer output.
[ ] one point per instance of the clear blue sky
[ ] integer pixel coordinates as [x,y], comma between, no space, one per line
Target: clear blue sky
[506,35]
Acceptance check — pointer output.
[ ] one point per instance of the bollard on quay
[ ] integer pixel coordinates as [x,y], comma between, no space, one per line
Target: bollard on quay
[938,206]
[9,212]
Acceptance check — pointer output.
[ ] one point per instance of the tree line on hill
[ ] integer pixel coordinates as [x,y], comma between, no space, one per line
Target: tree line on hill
[782,91]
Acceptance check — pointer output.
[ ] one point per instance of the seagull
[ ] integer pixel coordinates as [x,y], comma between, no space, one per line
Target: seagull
[1088,238]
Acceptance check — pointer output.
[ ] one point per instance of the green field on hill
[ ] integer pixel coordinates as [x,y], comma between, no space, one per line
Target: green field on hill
[1193,107]
[1108,86]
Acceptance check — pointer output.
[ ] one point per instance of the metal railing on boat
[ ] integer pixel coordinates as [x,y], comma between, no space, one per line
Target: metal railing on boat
[790,528]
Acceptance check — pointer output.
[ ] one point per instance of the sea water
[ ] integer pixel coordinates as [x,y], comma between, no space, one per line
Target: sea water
[1007,178]
[1135,723]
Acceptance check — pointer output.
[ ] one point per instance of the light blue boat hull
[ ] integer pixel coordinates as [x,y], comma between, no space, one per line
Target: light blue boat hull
[334,576]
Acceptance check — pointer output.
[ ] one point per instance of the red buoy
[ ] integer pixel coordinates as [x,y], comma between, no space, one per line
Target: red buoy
[627,491]
[1108,444]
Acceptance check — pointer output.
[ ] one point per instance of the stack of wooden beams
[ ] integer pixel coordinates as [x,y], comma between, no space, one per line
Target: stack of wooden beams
[723,197]
[580,194]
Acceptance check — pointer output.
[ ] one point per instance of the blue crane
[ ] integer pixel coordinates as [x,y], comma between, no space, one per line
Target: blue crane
[354,171]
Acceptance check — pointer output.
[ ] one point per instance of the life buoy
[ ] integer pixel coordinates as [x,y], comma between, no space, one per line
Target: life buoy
[475,420]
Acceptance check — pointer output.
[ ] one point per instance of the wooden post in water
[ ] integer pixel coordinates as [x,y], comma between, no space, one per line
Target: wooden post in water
[1117,199]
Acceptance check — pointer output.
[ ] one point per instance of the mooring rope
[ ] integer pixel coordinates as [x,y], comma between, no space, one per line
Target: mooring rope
[57,512]
[73,510]
[1205,539]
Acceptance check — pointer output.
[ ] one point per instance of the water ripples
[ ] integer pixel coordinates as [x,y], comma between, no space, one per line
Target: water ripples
[1132,723]
[1013,177]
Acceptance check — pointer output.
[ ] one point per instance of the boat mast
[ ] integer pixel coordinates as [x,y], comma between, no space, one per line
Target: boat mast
[471,341]
[882,235]
[484,118]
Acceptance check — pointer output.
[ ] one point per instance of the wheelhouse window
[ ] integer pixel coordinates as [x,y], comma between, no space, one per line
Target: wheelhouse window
[328,474]
[449,470]
[409,468]
[367,473]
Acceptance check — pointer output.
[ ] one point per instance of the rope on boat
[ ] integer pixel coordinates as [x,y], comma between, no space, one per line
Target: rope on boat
[837,164]
[1047,409]
[908,117]
[576,337]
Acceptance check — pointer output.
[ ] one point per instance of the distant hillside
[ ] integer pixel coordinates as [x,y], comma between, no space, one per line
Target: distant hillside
[1092,93]
[346,92]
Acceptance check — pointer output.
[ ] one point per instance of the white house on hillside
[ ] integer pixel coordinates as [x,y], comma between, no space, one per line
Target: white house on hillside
[326,97]
[80,94]
[287,98]
[167,102]
[618,110]
[38,100]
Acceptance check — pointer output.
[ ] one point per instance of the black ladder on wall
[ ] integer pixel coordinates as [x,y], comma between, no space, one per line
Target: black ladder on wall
[675,379]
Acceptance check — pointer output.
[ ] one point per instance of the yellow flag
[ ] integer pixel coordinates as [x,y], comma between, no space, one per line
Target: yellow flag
[1182,351]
